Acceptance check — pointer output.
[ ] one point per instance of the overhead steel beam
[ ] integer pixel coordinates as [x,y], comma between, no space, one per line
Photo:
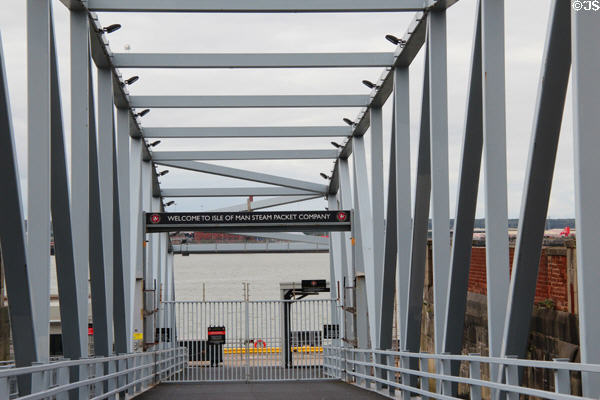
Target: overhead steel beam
[234,192]
[236,248]
[247,175]
[586,119]
[275,101]
[262,6]
[12,237]
[247,132]
[244,155]
[268,203]
[264,60]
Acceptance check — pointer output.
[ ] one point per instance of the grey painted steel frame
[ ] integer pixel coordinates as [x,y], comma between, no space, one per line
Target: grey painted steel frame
[494,150]
[388,273]
[264,60]
[267,203]
[438,117]
[12,237]
[278,101]
[73,306]
[234,192]
[363,219]
[552,91]
[247,175]
[585,30]
[38,182]
[418,254]
[247,131]
[378,217]
[401,131]
[123,172]
[98,283]
[466,204]
[262,6]
[244,155]
[80,153]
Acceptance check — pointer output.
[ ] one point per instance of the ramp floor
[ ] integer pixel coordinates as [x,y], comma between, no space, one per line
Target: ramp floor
[307,390]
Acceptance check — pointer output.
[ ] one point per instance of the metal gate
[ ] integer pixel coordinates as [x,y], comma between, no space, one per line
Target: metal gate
[253,340]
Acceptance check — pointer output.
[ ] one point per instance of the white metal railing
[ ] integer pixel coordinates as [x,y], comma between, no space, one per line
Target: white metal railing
[388,371]
[98,377]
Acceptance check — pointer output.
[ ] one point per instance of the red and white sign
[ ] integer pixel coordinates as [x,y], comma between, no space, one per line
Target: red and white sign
[341,216]
[155,218]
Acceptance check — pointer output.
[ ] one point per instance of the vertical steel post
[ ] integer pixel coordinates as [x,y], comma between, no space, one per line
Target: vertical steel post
[124,189]
[585,31]
[494,148]
[404,223]
[137,236]
[378,215]
[388,278]
[105,177]
[80,184]
[97,259]
[552,90]
[38,181]
[346,246]
[120,272]
[438,117]
[364,219]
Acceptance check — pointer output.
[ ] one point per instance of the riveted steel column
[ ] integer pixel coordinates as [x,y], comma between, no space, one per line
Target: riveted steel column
[552,90]
[403,196]
[494,148]
[12,239]
[38,171]
[585,30]
[414,303]
[336,278]
[466,205]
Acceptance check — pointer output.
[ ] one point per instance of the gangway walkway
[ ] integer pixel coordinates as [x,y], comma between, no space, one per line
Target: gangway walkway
[107,211]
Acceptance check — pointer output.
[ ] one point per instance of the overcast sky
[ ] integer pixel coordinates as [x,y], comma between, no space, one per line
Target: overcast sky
[526,23]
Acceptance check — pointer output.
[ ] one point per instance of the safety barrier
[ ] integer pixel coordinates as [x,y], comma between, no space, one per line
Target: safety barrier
[411,373]
[267,340]
[97,378]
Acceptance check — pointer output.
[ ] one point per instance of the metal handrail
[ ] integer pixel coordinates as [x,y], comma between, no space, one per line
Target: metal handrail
[369,369]
[133,368]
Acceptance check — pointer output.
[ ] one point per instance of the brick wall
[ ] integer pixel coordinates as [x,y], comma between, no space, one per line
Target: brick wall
[555,284]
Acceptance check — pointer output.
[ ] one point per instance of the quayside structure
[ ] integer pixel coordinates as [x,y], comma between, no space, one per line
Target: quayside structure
[110,223]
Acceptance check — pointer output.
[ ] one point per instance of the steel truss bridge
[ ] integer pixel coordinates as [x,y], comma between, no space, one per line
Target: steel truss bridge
[97,209]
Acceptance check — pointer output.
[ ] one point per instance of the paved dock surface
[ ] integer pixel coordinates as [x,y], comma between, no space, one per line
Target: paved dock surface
[308,390]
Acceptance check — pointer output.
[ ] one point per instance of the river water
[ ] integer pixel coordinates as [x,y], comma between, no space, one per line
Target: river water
[223,274]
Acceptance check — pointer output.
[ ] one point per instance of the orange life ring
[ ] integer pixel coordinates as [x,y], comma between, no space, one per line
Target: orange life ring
[256,342]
